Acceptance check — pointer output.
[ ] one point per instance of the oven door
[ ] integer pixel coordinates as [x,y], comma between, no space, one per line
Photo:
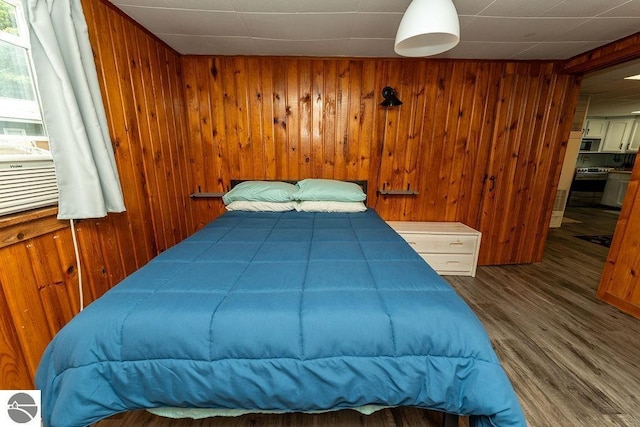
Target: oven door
[587,189]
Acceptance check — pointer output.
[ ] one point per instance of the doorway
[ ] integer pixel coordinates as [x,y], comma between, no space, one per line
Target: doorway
[612,131]
[609,90]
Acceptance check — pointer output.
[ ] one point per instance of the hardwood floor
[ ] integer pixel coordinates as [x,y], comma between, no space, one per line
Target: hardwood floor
[573,360]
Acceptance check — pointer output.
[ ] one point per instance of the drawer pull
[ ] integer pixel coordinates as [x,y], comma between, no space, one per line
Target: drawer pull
[453,262]
[411,243]
[455,244]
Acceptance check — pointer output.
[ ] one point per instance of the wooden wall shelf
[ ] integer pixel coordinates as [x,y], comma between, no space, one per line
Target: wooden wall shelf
[398,192]
[204,195]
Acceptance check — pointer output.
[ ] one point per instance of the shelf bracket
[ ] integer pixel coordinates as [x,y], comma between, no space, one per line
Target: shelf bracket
[204,195]
[398,192]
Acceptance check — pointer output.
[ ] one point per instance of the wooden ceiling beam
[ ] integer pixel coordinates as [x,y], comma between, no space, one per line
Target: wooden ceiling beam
[614,53]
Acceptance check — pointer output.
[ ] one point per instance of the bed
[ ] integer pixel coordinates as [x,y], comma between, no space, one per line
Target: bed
[278,311]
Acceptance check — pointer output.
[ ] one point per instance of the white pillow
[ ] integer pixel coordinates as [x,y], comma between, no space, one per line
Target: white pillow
[330,206]
[260,206]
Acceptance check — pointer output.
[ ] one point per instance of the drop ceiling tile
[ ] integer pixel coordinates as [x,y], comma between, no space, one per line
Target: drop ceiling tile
[471,7]
[617,72]
[205,45]
[376,25]
[555,50]
[295,6]
[322,48]
[463,50]
[297,26]
[224,5]
[517,29]
[228,26]
[371,48]
[272,6]
[574,49]
[601,29]
[628,10]
[485,50]
[384,6]
[167,21]
[146,3]
[465,20]
[306,6]
[611,108]
[614,89]
[177,43]
[583,8]
[510,8]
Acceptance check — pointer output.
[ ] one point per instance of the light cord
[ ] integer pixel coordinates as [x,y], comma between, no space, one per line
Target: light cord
[77,252]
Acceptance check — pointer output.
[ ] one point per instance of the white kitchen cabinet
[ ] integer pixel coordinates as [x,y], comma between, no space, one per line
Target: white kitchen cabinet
[595,128]
[634,141]
[615,188]
[450,248]
[617,135]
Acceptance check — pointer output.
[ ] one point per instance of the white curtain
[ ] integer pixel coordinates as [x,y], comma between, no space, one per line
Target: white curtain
[86,172]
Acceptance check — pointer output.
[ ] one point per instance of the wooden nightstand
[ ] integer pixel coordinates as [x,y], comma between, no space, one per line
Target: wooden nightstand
[451,248]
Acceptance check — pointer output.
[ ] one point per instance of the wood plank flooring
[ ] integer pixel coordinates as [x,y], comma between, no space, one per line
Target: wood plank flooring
[573,360]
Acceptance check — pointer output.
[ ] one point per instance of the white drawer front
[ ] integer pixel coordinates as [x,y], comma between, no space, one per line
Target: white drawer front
[450,263]
[435,243]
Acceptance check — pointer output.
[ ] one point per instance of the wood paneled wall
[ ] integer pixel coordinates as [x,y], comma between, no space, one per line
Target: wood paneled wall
[141,84]
[482,142]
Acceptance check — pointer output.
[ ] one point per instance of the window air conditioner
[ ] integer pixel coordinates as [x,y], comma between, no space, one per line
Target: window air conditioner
[27,179]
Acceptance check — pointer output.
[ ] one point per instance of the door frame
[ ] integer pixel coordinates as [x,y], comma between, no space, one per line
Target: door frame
[619,284]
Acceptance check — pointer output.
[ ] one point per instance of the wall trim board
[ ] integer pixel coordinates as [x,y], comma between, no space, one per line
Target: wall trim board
[614,53]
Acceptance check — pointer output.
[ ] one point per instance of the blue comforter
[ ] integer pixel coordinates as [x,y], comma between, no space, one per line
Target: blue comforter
[287,311]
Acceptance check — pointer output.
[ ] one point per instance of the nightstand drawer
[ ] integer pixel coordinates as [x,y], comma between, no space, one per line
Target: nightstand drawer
[450,263]
[451,248]
[434,243]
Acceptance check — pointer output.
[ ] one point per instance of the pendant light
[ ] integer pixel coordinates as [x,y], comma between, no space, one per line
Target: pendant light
[428,27]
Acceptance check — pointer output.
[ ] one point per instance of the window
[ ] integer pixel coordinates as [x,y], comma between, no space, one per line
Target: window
[27,178]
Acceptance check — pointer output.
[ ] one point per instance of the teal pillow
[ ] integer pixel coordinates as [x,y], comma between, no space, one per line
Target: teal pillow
[261,191]
[329,190]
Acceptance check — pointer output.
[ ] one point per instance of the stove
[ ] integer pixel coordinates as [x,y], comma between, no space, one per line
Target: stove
[588,186]
[592,173]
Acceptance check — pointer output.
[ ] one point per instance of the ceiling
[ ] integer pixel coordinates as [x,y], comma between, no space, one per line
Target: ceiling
[610,94]
[489,29]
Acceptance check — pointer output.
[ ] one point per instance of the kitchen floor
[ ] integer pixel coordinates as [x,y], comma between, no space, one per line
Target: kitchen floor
[590,220]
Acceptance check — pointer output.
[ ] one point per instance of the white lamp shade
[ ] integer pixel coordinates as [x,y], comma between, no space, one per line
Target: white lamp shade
[428,27]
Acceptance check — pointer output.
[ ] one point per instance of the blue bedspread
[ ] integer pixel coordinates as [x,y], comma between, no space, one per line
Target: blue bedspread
[289,311]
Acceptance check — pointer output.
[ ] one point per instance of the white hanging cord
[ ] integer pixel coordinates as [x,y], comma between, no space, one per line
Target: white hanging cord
[75,247]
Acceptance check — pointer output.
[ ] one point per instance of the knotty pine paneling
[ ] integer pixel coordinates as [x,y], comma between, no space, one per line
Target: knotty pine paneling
[619,284]
[14,374]
[185,124]
[141,83]
[532,127]
[481,141]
